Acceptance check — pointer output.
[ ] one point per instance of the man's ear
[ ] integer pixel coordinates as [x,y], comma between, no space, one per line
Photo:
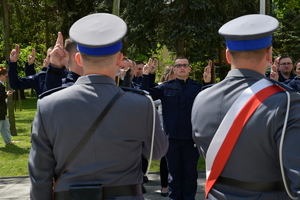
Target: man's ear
[228,57]
[119,59]
[269,54]
[78,59]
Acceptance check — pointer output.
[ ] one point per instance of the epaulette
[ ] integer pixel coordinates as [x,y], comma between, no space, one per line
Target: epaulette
[206,86]
[138,91]
[48,92]
[284,86]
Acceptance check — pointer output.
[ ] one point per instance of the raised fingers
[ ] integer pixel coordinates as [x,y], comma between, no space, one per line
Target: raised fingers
[60,39]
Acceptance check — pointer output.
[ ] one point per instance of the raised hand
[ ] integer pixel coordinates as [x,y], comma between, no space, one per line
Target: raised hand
[14,54]
[274,72]
[153,66]
[59,57]
[147,67]
[207,72]
[31,57]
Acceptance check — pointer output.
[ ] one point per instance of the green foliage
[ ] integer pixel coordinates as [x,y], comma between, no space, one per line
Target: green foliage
[14,158]
[286,39]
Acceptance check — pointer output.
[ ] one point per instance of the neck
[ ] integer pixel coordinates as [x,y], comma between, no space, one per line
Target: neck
[286,75]
[258,67]
[101,72]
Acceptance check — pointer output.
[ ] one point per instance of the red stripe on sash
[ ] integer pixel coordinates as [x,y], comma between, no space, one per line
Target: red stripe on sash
[234,132]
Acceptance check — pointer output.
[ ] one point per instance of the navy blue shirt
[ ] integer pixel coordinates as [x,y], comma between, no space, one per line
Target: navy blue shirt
[177,98]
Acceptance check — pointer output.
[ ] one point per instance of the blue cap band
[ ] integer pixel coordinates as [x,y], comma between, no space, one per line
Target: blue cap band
[100,51]
[246,45]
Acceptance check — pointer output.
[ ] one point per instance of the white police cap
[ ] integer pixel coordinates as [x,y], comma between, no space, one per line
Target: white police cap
[249,32]
[98,34]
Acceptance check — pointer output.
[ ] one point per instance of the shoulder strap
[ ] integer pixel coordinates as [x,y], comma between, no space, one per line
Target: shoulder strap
[232,125]
[88,134]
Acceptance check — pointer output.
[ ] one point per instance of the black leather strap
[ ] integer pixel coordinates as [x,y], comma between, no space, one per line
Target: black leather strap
[108,192]
[88,134]
[253,186]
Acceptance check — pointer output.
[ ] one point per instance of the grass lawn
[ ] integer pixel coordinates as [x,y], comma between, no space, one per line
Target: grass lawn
[14,158]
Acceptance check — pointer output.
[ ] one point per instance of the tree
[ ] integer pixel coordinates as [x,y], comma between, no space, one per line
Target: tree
[185,27]
[286,38]
[11,114]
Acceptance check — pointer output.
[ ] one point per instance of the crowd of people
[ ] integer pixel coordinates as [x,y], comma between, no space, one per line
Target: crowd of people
[188,121]
[283,70]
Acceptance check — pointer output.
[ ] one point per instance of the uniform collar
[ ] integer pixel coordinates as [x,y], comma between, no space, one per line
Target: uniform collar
[245,73]
[95,78]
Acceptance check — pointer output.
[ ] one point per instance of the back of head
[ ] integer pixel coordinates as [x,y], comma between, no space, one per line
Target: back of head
[166,74]
[247,37]
[98,38]
[70,46]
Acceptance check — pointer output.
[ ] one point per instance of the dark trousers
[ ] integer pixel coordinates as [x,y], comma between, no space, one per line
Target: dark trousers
[182,158]
[164,172]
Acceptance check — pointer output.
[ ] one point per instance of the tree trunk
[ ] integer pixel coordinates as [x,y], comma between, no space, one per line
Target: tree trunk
[11,114]
[180,46]
[47,25]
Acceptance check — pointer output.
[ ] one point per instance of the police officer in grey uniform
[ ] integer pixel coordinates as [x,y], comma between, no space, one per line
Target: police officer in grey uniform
[252,170]
[112,156]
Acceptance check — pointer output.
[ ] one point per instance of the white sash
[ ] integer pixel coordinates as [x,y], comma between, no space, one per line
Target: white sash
[229,118]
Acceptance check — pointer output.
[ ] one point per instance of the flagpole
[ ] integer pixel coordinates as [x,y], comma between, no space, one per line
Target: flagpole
[262,7]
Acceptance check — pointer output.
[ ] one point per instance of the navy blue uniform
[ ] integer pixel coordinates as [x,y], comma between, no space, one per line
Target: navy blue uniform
[177,99]
[29,69]
[57,77]
[35,81]
[295,83]
[54,80]
[281,78]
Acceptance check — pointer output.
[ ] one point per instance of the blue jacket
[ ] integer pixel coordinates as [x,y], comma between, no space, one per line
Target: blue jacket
[57,77]
[177,99]
[35,81]
[295,83]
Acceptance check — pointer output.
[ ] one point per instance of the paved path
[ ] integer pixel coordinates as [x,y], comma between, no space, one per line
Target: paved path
[17,188]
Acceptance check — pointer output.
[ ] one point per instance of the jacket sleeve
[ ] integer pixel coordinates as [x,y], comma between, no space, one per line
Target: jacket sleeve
[53,78]
[41,162]
[29,69]
[155,92]
[21,83]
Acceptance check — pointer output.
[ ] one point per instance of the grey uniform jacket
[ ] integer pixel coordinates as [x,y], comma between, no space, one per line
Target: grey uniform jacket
[111,157]
[255,157]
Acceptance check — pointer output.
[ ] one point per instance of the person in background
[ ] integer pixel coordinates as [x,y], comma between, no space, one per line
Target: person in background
[139,72]
[285,69]
[54,80]
[167,75]
[177,97]
[295,83]
[4,123]
[34,81]
[296,68]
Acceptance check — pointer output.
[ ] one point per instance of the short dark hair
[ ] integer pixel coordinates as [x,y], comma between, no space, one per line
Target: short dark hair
[138,62]
[285,56]
[181,57]
[70,45]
